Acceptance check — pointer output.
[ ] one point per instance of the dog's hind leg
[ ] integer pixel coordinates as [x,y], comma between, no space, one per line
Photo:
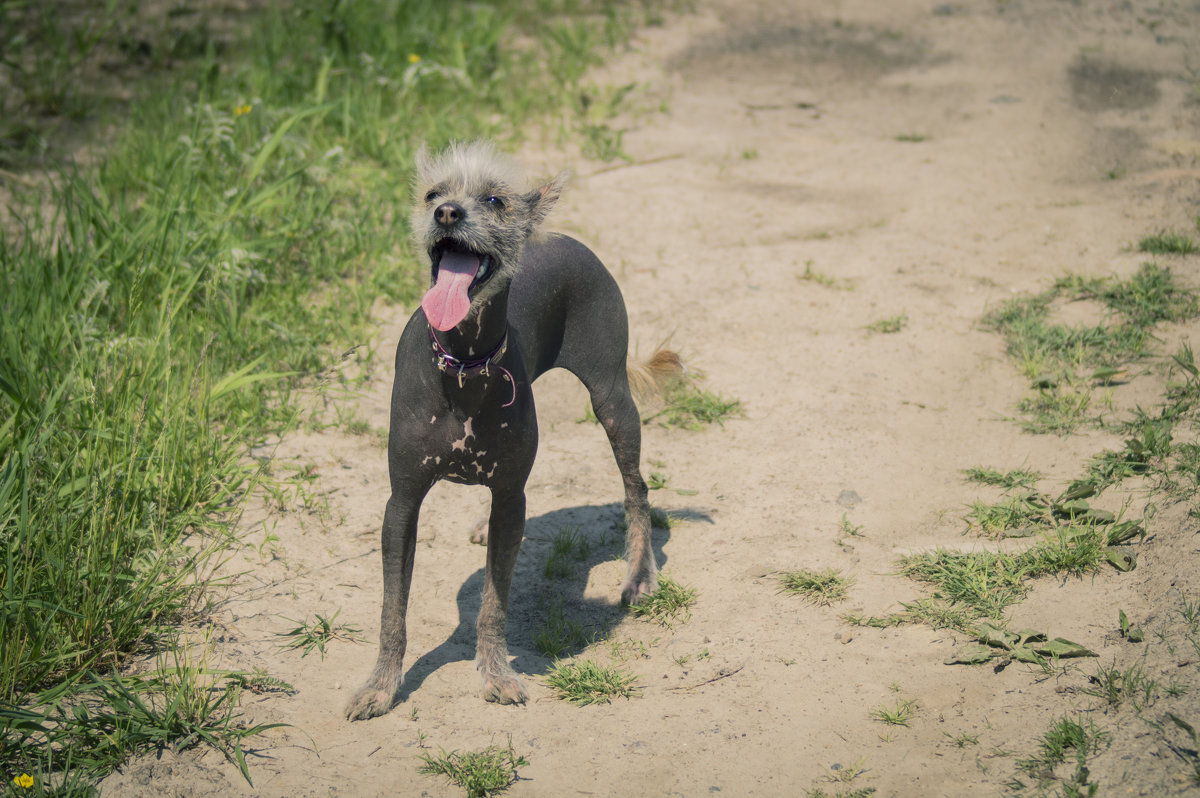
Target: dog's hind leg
[619,416]
[399,540]
[506,527]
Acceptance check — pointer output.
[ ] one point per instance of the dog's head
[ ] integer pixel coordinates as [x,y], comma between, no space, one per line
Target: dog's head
[473,213]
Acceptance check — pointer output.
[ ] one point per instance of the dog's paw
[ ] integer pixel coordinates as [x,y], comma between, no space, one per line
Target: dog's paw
[504,689]
[370,702]
[636,589]
[479,533]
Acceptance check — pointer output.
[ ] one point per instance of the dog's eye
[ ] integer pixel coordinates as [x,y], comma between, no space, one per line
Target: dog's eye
[431,196]
[496,203]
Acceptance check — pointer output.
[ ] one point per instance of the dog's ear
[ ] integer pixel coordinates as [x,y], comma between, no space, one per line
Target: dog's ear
[543,198]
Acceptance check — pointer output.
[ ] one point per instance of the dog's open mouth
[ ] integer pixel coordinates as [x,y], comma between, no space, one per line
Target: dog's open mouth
[456,272]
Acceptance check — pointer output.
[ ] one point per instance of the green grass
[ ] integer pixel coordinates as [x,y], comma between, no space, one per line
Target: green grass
[1117,685]
[584,682]
[899,715]
[1167,242]
[1016,478]
[559,635]
[986,583]
[1063,361]
[892,324]
[247,213]
[1077,738]
[567,550]
[822,588]
[689,406]
[480,773]
[820,278]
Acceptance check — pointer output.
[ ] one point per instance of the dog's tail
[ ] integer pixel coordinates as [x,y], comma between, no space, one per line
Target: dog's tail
[653,377]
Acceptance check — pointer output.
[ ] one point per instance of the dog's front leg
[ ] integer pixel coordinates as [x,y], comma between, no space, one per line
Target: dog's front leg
[506,527]
[399,539]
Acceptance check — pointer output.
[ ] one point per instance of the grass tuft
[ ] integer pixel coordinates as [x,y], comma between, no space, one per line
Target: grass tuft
[1063,361]
[1016,478]
[899,715]
[480,773]
[893,324]
[559,634]
[1167,242]
[585,682]
[690,407]
[822,588]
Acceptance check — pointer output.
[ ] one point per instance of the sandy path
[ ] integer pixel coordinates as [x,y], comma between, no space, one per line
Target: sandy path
[781,147]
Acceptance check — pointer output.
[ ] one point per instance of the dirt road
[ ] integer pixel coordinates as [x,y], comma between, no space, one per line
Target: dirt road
[918,160]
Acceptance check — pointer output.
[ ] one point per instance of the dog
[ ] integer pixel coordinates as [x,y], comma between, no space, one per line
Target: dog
[506,304]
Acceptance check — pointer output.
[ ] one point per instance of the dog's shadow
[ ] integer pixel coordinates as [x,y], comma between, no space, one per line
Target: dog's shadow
[548,611]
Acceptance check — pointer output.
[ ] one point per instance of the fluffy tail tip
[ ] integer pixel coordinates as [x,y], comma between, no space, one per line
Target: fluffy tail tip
[654,376]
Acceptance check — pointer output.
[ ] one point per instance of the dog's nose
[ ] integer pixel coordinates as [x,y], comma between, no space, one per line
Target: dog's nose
[448,213]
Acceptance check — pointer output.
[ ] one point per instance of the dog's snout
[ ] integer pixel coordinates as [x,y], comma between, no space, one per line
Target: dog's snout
[449,213]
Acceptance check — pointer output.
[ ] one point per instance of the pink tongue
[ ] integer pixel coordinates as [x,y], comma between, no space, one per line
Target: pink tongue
[447,303]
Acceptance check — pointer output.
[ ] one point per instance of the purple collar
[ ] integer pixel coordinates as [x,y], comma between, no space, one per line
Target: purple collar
[480,367]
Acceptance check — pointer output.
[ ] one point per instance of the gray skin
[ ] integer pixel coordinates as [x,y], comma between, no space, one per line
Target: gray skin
[562,309]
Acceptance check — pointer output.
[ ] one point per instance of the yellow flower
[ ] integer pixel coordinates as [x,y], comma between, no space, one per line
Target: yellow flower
[413,58]
[242,110]
[24,780]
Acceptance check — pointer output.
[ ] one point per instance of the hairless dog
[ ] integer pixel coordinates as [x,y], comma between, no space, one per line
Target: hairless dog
[506,305]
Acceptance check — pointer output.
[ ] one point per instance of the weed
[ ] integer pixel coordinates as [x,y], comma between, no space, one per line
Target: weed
[1131,633]
[1189,751]
[876,621]
[1016,478]
[822,588]
[1058,410]
[624,650]
[318,633]
[671,603]
[1167,242]
[962,740]
[1115,686]
[684,659]
[691,407]
[260,682]
[847,528]
[1067,735]
[1062,359]
[939,614]
[810,276]
[660,519]
[181,704]
[585,682]
[568,548]
[985,582]
[911,138]
[900,715]
[559,634]
[857,792]
[656,480]
[1015,516]
[843,776]
[480,773]
[888,326]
